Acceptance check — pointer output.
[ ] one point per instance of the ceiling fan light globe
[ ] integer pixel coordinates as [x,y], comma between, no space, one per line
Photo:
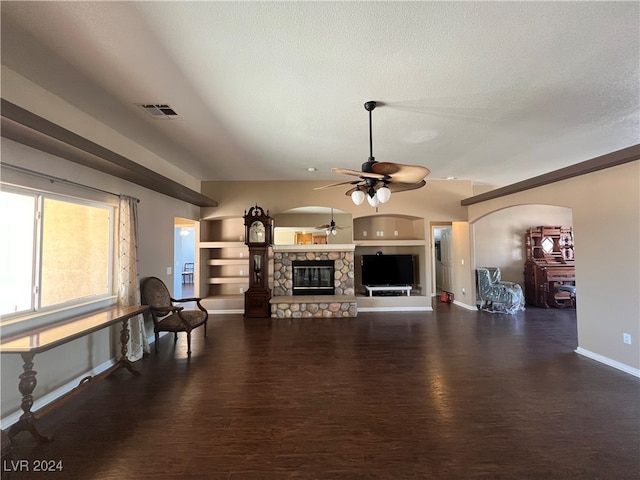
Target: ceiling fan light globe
[374,201]
[383,194]
[334,232]
[358,197]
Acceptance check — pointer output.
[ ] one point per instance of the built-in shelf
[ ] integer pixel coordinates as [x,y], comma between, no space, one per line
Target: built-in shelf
[224,260]
[229,261]
[222,245]
[226,280]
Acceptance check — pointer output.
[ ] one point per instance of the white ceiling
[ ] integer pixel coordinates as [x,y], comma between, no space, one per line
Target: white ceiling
[492,92]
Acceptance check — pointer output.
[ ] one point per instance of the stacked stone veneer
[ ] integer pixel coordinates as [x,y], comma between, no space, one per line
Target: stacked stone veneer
[341,304]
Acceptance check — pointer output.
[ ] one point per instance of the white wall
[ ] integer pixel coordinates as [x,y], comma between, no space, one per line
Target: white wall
[156,212]
[499,236]
[606,224]
[439,201]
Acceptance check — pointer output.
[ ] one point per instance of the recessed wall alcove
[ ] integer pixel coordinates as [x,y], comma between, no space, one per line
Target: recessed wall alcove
[385,227]
[391,234]
[299,226]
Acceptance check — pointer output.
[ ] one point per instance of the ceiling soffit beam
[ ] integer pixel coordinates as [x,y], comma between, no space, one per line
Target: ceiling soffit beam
[27,128]
[608,160]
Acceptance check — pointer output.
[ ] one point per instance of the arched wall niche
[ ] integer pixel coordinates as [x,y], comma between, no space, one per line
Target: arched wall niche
[306,218]
[388,227]
[498,236]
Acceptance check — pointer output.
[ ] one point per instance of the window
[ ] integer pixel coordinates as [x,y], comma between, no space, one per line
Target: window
[57,252]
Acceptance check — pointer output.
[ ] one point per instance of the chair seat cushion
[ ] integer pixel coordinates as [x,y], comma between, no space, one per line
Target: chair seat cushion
[173,323]
[568,288]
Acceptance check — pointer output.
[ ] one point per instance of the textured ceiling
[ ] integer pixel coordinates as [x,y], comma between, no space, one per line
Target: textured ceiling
[492,92]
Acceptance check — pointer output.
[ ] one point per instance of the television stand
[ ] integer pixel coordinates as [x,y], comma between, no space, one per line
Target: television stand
[389,288]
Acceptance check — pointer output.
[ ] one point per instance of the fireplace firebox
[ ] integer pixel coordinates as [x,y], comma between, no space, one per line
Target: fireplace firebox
[313,277]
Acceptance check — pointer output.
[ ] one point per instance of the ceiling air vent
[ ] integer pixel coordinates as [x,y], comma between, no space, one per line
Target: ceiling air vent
[159,110]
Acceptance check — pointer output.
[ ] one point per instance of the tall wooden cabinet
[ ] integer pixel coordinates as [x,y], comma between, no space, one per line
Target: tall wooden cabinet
[549,265]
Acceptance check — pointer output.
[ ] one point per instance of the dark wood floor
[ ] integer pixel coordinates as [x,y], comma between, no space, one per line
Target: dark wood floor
[451,394]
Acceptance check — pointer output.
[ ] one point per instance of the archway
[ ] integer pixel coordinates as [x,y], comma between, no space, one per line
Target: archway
[498,237]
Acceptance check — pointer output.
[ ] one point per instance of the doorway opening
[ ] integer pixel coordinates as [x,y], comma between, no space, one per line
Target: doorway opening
[442,258]
[185,262]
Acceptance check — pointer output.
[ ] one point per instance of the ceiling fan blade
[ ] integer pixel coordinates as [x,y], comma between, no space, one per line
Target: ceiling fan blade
[347,171]
[404,187]
[337,184]
[358,173]
[401,173]
[322,227]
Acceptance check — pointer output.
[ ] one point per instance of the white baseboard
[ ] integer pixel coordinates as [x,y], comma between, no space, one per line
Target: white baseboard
[464,305]
[608,361]
[395,309]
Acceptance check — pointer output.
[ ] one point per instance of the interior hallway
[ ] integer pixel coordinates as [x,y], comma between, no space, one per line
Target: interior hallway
[451,394]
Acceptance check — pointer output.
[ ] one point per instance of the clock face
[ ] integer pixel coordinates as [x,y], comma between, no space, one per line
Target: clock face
[256,232]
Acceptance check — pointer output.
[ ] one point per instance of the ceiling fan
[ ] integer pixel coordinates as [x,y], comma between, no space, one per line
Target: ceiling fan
[331,228]
[377,180]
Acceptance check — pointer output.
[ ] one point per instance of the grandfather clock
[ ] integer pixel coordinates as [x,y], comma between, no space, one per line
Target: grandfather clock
[258,227]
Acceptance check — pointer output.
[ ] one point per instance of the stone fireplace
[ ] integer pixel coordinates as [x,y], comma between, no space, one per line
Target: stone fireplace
[302,287]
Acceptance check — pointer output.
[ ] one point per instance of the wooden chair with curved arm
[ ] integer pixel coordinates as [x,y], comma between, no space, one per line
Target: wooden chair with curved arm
[170,318]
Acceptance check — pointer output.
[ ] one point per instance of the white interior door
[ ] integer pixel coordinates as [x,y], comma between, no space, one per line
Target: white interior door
[446,259]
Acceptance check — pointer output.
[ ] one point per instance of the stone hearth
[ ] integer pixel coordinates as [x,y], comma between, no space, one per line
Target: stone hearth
[342,304]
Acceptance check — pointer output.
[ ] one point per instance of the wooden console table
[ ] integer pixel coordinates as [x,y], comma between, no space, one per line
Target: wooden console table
[389,288]
[39,340]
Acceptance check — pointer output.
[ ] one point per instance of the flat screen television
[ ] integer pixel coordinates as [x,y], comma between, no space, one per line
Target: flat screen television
[382,270]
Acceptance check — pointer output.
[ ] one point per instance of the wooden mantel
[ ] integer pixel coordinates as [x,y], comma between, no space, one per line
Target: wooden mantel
[337,247]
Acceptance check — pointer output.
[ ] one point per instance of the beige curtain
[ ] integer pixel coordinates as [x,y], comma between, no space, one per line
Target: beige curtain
[128,283]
